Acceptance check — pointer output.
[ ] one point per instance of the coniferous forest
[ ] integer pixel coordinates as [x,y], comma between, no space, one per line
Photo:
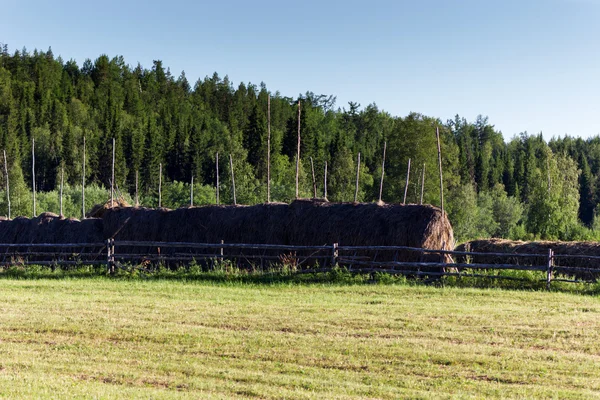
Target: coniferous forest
[525,189]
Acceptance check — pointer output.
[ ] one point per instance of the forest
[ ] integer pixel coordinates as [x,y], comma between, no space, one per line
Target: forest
[526,188]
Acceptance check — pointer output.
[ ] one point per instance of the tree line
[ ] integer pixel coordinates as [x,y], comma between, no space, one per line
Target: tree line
[525,188]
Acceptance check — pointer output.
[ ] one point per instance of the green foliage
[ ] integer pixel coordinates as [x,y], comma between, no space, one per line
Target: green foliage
[177,194]
[522,189]
[554,198]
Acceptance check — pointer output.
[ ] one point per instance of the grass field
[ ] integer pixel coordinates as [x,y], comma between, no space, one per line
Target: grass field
[106,338]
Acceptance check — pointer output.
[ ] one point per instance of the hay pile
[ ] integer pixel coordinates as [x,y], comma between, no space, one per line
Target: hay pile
[541,247]
[50,228]
[98,210]
[303,222]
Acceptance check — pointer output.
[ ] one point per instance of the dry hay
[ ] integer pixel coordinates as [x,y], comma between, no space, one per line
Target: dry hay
[303,222]
[50,228]
[98,210]
[46,228]
[540,247]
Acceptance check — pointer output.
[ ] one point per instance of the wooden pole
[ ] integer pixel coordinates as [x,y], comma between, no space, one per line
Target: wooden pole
[407,180]
[325,183]
[7,184]
[112,182]
[422,183]
[550,266]
[298,152]
[33,173]
[232,179]
[437,131]
[217,188]
[269,149]
[382,172]
[159,185]
[62,177]
[357,177]
[312,167]
[137,202]
[83,183]
[192,192]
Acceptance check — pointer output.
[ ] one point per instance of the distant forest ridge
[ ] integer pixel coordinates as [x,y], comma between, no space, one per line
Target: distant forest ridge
[526,188]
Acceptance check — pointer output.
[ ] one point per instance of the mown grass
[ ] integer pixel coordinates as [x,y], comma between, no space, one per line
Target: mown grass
[166,338]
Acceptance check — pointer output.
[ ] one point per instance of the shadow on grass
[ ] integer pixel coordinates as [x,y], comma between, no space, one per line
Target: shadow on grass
[227,275]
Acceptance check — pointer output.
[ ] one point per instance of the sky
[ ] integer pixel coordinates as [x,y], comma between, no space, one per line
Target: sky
[529,66]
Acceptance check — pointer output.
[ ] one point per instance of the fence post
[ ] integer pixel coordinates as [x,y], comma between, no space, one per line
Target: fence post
[334,255]
[108,257]
[550,267]
[112,255]
[221,250]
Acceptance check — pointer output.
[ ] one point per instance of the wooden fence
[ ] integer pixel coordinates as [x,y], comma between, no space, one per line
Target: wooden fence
[359,259]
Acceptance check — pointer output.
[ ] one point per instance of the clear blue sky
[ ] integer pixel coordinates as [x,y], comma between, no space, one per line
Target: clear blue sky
[530,65]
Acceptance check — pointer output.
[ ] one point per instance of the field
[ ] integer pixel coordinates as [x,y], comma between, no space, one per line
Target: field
[107,338]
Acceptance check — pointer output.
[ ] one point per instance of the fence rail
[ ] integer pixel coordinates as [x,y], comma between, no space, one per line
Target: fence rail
[360,259]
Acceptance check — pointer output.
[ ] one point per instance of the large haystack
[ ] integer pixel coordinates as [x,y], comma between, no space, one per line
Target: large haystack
[303,222]
[508,247]
[50,228]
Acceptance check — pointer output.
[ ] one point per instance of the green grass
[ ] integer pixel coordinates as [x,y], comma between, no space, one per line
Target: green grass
[123,338]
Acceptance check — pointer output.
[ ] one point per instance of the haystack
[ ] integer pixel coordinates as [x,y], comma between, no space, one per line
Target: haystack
[50,228]
[591,267]
[304,222]
[98,210]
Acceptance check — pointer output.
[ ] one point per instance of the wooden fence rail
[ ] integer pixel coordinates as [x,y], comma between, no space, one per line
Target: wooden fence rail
[357,259]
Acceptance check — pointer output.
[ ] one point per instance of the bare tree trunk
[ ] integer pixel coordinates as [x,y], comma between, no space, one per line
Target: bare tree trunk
[160,185]
[137,202]
[62,176]
[7,184]
[407,180]
[232,179]
[298,152]
[312,167]
[269,149]
[422,183]
[112,182]
[192,192]
[382,172]
[83,183]
[217,187]
[357,177]
[437,131]
[325,183]
[33,173]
